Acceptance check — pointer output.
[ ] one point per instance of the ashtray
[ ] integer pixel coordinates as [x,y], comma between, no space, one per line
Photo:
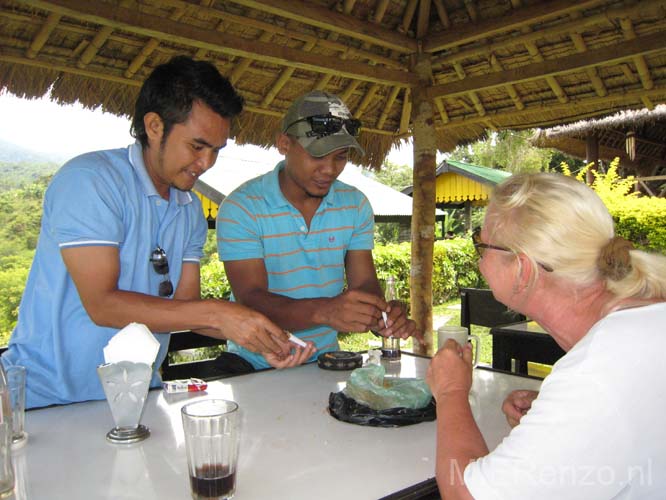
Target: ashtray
[340,360]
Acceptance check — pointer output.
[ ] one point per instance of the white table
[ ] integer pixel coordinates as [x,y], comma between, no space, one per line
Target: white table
[291,447]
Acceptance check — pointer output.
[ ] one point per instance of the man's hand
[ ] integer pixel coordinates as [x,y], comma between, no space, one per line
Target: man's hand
[297,356]
[450,370]
[352,311]
[253,330]
[398,324]
[517,404]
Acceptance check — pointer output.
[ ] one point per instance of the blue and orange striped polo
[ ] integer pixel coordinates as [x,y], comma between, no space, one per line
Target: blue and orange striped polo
[257,222]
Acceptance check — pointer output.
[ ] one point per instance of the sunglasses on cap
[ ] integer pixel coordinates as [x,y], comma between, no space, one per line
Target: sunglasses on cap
[323,125]
[161,267]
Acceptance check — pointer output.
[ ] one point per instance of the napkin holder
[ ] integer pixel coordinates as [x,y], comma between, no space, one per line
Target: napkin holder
[126,386]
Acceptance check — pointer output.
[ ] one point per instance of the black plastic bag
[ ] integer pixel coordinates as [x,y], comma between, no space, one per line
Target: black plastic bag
[348,410]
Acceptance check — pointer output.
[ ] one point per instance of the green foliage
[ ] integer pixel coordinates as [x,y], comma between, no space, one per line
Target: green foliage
[454,266]
[15,175]
[639,219]
[508,150]
[214,283]
[396,176]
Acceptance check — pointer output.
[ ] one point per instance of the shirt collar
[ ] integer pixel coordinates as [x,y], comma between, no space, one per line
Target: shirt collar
[136,160]
[274,195]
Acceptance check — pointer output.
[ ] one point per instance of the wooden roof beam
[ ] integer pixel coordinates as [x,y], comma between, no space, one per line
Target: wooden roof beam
[282,80]
[313,15]
[592,73]
[150,47]
[639,61]
[380,11]
[550,80]
[43,35]
[459,35]
[471,11]
[605,55]
[644,7]
[423,19]
[408,16]
[497,66]
[406,111]
[241,66]
[195,37]
[367,99]
[442,110]
[387,107]
[442,14]
[304,37]
[550,108]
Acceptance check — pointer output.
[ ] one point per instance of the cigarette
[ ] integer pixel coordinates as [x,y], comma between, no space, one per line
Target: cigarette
[385,319]
[294,339]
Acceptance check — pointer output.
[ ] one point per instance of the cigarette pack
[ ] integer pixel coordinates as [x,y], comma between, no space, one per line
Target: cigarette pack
[184,385]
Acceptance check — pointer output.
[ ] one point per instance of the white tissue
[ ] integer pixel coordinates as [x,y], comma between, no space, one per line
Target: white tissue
[133,343]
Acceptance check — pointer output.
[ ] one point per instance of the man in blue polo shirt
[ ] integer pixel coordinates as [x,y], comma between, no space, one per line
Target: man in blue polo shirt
[297,243]
[121,239]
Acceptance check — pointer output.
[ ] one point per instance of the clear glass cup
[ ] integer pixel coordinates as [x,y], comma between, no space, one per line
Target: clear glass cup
[212,435]
[6,468]
[16,382]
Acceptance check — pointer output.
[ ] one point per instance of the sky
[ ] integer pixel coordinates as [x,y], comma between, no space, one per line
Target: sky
[44,126]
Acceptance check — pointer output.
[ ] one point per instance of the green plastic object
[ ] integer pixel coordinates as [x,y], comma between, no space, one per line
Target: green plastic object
[368,386]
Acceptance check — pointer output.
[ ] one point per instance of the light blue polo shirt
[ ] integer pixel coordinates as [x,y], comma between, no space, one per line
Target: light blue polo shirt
[104,198]
[257,222]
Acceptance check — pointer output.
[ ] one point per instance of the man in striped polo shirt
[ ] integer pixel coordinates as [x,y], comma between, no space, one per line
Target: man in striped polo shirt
[297,243]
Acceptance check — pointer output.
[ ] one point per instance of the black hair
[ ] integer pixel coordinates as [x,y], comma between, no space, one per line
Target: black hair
[171,89]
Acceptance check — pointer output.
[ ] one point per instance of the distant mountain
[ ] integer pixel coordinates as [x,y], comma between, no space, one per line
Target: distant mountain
[20,166]
[12,153]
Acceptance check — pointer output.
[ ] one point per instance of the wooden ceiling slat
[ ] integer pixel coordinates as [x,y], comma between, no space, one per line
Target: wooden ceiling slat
[576,108]
[461,34]
[551,67]
[174,32]
[43,35]
[423,19]
[308,13]
[442,14]
[645,7]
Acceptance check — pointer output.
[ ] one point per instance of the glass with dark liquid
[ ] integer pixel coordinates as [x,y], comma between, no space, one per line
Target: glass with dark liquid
[212,432]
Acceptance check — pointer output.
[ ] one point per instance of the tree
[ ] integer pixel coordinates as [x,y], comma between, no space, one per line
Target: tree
[397,177]
[508,150]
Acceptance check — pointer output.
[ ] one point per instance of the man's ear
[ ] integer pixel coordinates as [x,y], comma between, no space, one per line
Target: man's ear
[154,126]
[283,143]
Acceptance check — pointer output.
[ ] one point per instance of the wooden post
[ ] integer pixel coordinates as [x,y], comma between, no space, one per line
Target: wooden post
[423,213]
[591,156]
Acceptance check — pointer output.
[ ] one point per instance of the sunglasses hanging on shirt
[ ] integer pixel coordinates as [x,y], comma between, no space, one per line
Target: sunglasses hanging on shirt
[161,267]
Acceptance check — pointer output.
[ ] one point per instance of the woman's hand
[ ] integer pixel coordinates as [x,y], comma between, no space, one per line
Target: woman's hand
[517,404]
[450,369]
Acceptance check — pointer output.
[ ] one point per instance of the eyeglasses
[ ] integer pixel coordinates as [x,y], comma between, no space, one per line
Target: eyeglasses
[481,247]
[161,266]
[323,125]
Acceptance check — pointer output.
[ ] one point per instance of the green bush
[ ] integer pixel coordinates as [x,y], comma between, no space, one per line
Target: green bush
[454,265]
[214,283]
[639,219]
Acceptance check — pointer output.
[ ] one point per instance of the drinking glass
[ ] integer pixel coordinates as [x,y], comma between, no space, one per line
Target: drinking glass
[212,431]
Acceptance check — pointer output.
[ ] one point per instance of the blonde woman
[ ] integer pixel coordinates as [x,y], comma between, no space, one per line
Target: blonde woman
[596,429]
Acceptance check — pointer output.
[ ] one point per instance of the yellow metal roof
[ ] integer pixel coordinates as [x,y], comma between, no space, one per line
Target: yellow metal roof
[455,188]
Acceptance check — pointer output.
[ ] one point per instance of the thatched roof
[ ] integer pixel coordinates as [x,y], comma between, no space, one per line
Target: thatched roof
[482,64]
[648,127]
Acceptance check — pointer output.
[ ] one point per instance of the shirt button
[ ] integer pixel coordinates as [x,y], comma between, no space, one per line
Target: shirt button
[158,202]
[302,228]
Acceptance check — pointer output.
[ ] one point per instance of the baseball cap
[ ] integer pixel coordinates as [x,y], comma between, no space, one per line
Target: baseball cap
[321,123]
